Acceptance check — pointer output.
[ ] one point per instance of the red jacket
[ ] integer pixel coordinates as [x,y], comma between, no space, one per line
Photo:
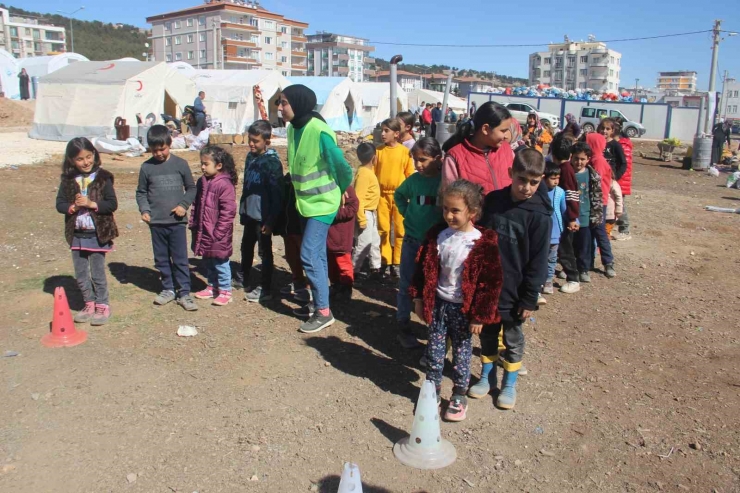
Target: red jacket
[600,164]
[212,219]
[482,277]
[426,116]
[489,168]
[625,182]
[342,230]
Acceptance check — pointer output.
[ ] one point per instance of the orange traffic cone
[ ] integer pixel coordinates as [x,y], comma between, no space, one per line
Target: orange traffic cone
[63,332]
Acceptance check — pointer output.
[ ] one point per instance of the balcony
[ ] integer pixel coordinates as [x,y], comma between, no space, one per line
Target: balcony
[342,57]
[243,44]
[298,37]
[343,70]
[599,51]
[369,61]
[296,66]
[599,63]
[369,72]
[240,59]
[240,27]
[299,54]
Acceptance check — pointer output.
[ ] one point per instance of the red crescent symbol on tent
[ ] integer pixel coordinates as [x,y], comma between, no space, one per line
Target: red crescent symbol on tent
[141,85]
[109,67]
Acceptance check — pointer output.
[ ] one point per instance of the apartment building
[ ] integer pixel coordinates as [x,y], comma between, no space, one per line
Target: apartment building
[682,81]
[575,65]
[407,80]
[338,55]
[729,107]
[230,35]
[25,37]
[466,85]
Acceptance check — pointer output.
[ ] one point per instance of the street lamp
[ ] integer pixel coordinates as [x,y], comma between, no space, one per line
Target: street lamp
[71,24]
[637,81]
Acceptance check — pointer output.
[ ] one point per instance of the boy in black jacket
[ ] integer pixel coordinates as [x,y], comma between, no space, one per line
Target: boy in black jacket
[520,215]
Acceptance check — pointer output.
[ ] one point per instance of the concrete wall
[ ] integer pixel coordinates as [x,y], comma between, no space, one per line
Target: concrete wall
[683,123]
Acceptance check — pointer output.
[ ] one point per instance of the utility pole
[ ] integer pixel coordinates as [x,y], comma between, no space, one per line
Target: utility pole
[637,81]
[723,99]
[712,103]
[71,24]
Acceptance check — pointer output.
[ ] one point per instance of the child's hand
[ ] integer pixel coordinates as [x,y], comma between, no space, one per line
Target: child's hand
[179,211]
[525,314]
[573,226]
[81,201]
[146,217]
[266,230]
[475,328]
[419,308]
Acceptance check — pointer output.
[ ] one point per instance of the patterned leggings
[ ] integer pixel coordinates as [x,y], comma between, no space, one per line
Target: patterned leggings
[449,321]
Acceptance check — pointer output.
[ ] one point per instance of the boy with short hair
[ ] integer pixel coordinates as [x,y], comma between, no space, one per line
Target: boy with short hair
[520,215]
[165,192]
[557,199]
[259,208]
[368,193]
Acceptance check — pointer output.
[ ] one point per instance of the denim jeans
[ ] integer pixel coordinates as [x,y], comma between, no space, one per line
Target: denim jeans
[170,245]
[408,264]
[602,240]
[552,261]
[313,257]
[90,274]
[218,272]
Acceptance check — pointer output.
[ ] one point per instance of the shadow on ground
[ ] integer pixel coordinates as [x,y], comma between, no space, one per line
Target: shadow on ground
[69,283]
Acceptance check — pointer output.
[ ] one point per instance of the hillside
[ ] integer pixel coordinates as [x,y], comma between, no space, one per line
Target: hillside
[504,80]
[94,39]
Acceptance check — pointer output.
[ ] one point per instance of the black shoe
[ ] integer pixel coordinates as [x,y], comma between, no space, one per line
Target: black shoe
[394,272]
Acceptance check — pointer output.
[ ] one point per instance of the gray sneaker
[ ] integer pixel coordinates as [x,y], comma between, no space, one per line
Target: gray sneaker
[258,295]
[164,297]
[609,271]
[305,311]
[188,303]
[316,323]
[303,295]
[585,277]
[562,275]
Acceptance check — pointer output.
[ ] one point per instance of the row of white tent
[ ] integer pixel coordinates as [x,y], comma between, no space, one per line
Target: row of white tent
[86,98]
[38,66]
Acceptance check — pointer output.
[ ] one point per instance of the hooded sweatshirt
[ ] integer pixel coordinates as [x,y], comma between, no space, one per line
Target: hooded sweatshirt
[262,191]
[597,143]
[523,230]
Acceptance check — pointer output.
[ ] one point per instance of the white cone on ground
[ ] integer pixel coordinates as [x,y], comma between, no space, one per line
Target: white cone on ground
[425,448]
[351,481]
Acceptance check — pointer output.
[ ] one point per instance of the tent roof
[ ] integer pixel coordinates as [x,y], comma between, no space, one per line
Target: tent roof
[437,97]
[232,77]
[99,72]
[44,61]
[322,86]
[373,92]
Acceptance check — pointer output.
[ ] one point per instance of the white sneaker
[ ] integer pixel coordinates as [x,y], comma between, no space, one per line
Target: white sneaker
[570,287]
[541,300]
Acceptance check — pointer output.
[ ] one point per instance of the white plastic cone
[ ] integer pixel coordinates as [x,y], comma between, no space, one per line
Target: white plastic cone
[351,481]
[425,448]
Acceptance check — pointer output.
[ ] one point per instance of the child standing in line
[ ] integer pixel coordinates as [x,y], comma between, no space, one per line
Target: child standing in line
[407,137]
[393,167]
[418,202]
[613,153]
[557,199]
[614,206]
[339,247]
[598,143]
[260,207]
[212,221]
[591,206]
[456,288]
[521,217]
[368,193]
[87,199]
[625,182]
[165,191]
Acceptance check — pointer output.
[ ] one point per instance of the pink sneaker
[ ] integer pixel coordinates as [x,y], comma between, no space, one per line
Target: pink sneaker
[224,298]
[86,314]
[206,294]
[102,314]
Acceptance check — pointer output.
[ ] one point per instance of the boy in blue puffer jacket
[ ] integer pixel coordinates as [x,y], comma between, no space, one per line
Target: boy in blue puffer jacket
[557,199]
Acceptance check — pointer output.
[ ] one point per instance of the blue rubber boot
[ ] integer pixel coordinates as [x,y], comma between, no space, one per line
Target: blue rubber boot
[507,396]
[483,387]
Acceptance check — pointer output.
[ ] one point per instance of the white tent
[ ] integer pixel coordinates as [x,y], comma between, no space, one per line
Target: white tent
[338,101]
[418,95]
[127,59]
[84,100]
[376,101]
[232,95]
[185,68]
[39,66]
[9,75]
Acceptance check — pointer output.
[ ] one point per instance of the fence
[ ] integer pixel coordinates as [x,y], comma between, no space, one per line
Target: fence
[659,119]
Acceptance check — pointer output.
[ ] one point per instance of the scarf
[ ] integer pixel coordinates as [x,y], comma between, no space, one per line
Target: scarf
[303,101]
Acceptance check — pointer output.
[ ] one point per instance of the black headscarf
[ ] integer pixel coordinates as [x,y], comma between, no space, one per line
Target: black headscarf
[303,101]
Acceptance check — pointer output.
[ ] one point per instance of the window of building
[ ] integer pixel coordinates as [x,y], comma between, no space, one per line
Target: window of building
[177,24]
[203,53]
[168,57]
[268,24]
[177,40]
[178,57]
[36,34]
[190,38]
[734,108]
[584,59]
[202,37]
[191,55]
[284,29]
[611,59]
[547,73]
[201,20]
[283,59]
[14,32]
[583,72]
[167,41]
[547,61]
[269,56]
[190,22]
[268,40]
[285,73]
[253,21]
[611,86]
[283,44]
[582,85]
[611,73]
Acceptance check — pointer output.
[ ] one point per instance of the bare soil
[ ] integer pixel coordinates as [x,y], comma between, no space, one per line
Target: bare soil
[633,382]
[16,113]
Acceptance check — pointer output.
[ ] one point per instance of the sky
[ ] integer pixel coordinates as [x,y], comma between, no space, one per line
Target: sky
[480,22]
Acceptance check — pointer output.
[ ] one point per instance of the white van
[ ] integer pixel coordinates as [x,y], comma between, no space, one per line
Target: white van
[592,115]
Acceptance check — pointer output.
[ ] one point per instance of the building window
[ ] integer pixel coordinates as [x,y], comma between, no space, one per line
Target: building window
[191,55]
[547,61]
[190,38]
[283,59]
[190,22]
[268,25]
[177,40]
[611,59]
[583,72]
[36,34]
[254,22]
[201,21]
[283,44]
[203,53]
[177,24]
[178,57]
[582,85]
[584,59]
[168,57]
[167,41]
[268,40]
[269,55]
[168,26]
[284,30]
[14,32]
[285,73]
[547,73]
[202,37]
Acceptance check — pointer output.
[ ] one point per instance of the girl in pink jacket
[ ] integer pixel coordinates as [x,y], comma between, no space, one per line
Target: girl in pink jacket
[212,221]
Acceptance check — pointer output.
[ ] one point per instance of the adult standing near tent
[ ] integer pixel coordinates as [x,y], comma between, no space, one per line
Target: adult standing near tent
[23,81]
[200,113]
[426,119]
[720,134]
[437,118]
[473,109]
[320,175]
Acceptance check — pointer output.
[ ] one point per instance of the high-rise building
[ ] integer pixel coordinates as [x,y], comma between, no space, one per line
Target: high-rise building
[683,81]
[232,34]
[339,55]
[575,65]
[26,37]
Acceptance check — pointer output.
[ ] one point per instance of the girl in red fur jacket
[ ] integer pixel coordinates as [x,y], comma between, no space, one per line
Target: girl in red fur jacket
[456,287]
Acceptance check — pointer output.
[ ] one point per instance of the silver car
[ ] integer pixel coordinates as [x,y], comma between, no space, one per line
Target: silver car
[592,115]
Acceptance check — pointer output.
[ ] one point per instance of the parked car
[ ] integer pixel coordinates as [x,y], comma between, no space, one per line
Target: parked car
[592,115]
[520,111]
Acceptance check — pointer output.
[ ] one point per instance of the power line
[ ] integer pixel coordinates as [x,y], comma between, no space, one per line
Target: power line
[537,44]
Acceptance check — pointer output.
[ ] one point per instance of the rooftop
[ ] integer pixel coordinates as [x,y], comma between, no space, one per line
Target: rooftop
[215,5]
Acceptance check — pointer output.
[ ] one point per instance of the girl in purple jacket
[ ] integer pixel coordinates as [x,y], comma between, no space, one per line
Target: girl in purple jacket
[212,221]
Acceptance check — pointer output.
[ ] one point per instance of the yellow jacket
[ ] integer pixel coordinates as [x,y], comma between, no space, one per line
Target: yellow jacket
[395,164]
[368,193]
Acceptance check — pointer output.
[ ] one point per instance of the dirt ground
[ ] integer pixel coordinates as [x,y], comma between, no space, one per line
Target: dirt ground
[16,114]
[633,382]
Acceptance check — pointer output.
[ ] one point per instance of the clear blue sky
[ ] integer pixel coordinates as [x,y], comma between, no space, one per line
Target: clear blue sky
[480,22]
